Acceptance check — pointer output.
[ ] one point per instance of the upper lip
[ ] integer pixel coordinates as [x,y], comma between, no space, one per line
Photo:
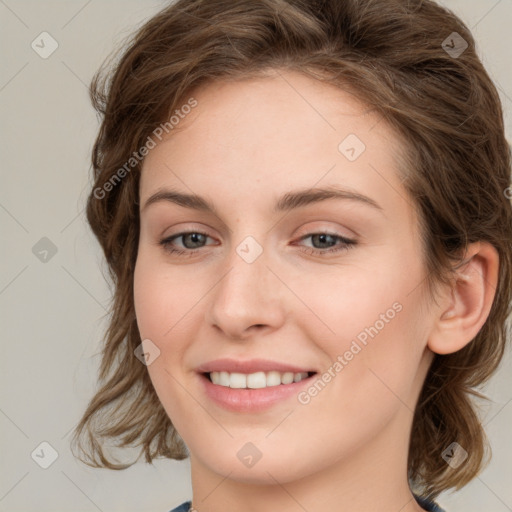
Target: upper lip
[249,366]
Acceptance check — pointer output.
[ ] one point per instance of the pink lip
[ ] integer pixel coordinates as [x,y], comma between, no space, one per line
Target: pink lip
[251,400]
[250,366]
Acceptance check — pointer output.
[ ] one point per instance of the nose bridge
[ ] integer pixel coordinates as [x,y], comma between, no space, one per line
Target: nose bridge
[248,294]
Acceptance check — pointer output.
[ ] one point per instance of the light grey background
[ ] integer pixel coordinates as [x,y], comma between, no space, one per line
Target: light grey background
[54,313]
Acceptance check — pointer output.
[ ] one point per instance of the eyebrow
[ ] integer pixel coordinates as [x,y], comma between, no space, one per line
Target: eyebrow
[287,202]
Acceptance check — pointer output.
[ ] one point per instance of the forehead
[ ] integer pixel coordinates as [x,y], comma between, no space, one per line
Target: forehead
[263,136]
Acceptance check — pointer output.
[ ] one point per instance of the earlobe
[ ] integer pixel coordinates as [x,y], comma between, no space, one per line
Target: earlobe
[467,303]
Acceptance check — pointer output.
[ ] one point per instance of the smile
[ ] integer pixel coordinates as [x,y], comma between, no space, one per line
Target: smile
[254,392]
[257,380]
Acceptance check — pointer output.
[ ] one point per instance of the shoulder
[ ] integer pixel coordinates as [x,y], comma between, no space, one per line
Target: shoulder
[184,507]
[429,506]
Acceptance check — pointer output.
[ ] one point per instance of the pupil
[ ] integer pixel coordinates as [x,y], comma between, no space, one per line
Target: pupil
[194,237]
[322,237]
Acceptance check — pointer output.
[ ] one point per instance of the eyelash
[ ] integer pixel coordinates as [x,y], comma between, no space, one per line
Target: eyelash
[345,245]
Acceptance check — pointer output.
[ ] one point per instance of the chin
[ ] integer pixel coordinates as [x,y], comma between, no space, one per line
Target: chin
[268,470]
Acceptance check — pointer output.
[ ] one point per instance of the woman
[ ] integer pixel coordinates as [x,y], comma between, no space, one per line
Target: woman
[305,210]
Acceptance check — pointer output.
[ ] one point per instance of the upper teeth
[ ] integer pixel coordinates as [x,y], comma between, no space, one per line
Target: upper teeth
[255,380]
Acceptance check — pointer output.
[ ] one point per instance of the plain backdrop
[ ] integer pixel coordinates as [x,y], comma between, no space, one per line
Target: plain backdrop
[54,312]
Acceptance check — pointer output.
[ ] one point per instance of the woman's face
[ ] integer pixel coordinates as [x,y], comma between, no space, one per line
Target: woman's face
[279,272]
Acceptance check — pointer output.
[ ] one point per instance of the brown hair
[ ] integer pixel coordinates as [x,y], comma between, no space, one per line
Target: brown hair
[390,55]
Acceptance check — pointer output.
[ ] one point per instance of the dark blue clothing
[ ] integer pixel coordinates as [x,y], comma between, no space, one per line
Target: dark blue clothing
[182,508]
[430,506]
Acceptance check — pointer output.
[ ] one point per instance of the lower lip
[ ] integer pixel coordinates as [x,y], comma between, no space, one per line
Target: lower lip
[251,400]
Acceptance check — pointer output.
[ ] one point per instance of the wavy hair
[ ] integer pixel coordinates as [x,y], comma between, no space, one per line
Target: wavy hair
[392,55]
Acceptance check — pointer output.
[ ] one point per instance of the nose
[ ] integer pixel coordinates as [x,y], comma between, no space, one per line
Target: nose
[248,298]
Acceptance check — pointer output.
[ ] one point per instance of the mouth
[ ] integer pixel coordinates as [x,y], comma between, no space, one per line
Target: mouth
[256,380]
[254,392]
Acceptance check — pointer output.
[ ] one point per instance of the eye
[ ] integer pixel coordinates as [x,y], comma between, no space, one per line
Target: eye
[193,241]
[192,238]
[329,239]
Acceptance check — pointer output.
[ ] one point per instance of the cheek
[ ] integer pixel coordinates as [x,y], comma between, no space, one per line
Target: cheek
[163,298]
[371,380]
[371,318]
[342,303]
[158,308]
[167,306]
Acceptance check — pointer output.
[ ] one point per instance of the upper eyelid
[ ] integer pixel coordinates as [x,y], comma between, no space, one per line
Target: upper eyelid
[309,231]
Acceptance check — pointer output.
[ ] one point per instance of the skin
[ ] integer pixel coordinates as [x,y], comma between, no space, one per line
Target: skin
[242,147]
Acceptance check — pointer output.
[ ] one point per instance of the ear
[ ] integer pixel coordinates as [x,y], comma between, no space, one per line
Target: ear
[467,303]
